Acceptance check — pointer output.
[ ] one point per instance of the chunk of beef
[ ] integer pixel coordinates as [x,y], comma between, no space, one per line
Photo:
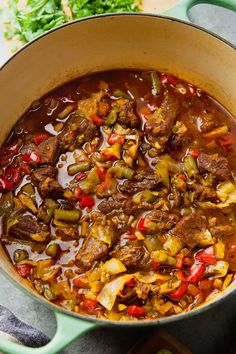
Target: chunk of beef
[124,203]
[76,132]
[159,125]
[25,227]
[128,295]
[202,192]
[218,166]
[178,141]
[189,228]
[91,250]
[40,174]
[164,219]
[132,255]
[222,231]
[141,181]
[49,150]
[45,180]
[207,122]
[127,118]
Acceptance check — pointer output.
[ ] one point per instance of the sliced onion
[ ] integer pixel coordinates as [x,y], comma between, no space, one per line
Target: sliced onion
[110,291]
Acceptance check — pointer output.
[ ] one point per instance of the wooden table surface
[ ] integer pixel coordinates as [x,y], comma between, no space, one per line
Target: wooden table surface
[149,6]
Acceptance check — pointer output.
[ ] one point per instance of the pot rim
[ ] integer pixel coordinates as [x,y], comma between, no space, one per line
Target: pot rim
[140,323]
[123,14]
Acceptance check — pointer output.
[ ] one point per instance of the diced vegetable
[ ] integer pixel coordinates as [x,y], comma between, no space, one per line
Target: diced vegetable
[169,286]
[219,270]
[224,189]
[219,250]
[78,167]
[67,215]
[113,152]
[190,166]
[27,202]
[114,266]
[86,202]
[6,203]
[120,93]
[162,170]
[156,83]
[216,133]
[196,273]
[38,138]
[97,120]
[227,281]
[113,115]
[207,256]
[103,233]
[19,255]
[173,245]
[163,258]
[135,311]
[110,291]
[52,249]
[178,293]
[23,270]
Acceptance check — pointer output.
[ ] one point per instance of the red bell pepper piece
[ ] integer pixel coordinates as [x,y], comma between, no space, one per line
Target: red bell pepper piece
[86,202]
[38,138]
[135,311]
[205,284]
[31,157]
[178,293]
[196,272]
[170,79]
[89,304]
[115,138]
[227,140]
[8,152]
[80,176]
[11,149]
[14,173]
[194,153]
[97,120]
[207,256]
[155,265]
[182,176]
[23,269]
[77,193]
[145,112]
[5,185]
[101,173]
[130,282]
[179,260]
[81,281]
[141,225]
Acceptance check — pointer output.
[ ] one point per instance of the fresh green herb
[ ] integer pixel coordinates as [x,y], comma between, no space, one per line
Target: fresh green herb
[82,8]
[37,17]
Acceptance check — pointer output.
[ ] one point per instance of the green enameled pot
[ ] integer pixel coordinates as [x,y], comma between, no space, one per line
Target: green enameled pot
[105,42]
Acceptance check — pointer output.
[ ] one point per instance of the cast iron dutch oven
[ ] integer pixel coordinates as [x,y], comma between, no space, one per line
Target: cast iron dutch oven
[105,42]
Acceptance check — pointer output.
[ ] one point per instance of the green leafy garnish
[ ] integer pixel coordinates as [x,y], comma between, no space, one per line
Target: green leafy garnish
[82,8]
[39,16]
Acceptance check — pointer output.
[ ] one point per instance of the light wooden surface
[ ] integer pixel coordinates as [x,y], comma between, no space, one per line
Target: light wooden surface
[149,6]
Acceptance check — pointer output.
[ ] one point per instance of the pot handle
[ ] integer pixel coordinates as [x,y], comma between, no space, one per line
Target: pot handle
[180,10]
[68,329]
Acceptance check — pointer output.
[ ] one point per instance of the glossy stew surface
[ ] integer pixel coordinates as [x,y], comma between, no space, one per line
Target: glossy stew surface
[118,196]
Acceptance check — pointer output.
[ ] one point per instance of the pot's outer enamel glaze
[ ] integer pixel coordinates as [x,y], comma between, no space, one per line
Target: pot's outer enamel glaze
[104,43]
